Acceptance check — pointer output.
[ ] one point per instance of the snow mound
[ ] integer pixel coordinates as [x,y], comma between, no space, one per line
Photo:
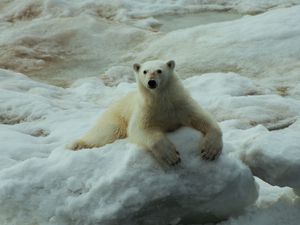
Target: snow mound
[121,184]
[275,156]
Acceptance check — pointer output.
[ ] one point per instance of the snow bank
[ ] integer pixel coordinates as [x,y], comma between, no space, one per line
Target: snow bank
[275,206]
[275,156]
[272,155]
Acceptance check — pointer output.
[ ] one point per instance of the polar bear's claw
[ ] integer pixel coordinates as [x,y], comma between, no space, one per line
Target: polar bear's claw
[210,153]
[165,152]
[78,145]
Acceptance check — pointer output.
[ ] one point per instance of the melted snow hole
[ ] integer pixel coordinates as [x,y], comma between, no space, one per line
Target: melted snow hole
[181,21]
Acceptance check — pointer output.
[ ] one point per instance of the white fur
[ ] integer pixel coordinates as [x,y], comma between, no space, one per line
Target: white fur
[146,115]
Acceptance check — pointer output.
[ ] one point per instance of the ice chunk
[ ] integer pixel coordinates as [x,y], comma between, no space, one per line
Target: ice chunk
[122,184]
[275,156]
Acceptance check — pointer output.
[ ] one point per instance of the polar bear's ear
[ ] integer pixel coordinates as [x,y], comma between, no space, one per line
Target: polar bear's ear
[171,64]
[136,67]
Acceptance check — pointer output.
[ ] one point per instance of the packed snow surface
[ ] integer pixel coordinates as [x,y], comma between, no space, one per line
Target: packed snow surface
[245,72]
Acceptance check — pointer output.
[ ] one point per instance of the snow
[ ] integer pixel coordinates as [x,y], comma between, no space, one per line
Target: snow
[245,72]
[87,38]
[123,10]
[246,46]
[44,118]
[262,159]
[118,183]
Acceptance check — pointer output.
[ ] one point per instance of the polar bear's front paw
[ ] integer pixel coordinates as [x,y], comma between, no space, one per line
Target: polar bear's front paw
[165,152]
[78,145]
[211,149]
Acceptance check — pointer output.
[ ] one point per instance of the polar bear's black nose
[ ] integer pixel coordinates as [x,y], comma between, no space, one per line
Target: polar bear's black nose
[152,84]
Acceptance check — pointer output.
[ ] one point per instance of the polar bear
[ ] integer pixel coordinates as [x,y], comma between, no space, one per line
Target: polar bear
[160,105]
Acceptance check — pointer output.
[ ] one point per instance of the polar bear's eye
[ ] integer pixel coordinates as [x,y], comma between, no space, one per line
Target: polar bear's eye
[158,71]
[145,71]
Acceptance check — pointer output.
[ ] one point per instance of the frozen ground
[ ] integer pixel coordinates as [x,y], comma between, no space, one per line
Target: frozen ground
[246,72]
[59,41]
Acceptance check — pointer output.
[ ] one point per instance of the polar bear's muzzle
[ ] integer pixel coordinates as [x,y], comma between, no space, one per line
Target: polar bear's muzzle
[152,84]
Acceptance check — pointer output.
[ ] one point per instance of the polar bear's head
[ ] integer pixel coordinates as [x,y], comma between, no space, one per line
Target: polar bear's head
[154,75]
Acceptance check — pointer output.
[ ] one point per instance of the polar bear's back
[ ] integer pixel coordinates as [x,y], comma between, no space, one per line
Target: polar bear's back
[123,108]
